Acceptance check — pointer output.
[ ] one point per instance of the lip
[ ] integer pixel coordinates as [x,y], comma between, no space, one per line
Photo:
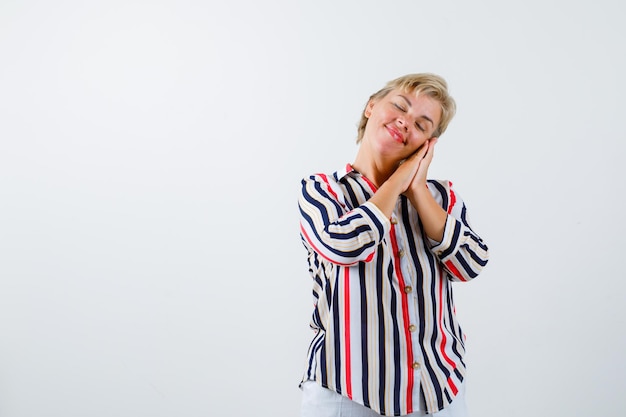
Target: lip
[395,134]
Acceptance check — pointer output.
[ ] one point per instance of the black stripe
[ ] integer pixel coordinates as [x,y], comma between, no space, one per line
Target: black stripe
[464,216]
[337,332]
[364,336]
[352,199]
[478,241]
[397,363]
[349,254]
[314,201]
[378,224]
[433,339]
[468,270]
[458,375]
[316,344]
[442,192]
[474,256]
[365,190]
[448,397]
[328,293]
[317,319]
[450,315]
[310,362]
[381,334]
[455,238]
[422,396]
[323,370]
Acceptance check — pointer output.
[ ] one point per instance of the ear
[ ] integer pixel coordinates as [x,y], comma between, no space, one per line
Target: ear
[368,108]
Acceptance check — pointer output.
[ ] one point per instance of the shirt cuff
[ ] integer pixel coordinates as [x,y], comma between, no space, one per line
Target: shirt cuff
[449,239]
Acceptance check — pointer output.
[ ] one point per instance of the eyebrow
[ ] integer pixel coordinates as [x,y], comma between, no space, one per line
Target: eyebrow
[408,102]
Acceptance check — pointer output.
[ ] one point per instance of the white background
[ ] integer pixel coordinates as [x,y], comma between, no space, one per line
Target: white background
[150,160]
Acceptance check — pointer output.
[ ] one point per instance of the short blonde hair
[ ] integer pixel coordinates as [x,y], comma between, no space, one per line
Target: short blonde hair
[432,85]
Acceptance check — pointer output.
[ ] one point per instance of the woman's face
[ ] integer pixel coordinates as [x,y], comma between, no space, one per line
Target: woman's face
[399,123]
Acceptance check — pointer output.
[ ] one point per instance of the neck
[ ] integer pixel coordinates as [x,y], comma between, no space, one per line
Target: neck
[377,170]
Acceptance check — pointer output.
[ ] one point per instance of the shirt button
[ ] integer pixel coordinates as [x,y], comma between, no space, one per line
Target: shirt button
[408,289]
[400,253]
[416,365]
[394,221]
[412,328]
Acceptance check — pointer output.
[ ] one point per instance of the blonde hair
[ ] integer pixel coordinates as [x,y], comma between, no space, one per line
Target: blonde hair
[432,85]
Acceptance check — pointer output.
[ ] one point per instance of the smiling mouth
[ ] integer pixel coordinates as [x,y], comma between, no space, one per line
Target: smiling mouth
[395,134]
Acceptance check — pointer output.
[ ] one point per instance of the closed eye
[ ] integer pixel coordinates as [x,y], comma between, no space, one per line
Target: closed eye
[399,107]
[419,126]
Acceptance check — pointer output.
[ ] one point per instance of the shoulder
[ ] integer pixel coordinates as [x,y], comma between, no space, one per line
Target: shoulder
[322,185]
[322,179]
[330,180]
[320,176]
[441,186]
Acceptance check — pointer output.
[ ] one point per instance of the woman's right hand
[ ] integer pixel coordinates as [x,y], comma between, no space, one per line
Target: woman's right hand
[407,170]
[387,195]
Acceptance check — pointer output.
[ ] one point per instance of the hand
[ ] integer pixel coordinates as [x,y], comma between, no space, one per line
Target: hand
[431,214]
[406,172]
[419,180]
[402,180]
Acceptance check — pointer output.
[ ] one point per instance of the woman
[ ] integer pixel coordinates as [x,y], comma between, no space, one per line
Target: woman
[384,245]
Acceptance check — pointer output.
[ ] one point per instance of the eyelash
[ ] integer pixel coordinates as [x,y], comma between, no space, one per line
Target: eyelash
[403,110]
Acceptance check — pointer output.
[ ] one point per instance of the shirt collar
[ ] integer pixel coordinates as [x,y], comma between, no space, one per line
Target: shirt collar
[348,169]
[344,171]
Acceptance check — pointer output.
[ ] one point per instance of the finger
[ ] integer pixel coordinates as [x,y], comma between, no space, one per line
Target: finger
[417,155]
[427,159]
[431,148]
[423,149]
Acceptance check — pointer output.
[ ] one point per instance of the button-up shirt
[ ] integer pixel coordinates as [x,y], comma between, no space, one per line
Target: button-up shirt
[385,328]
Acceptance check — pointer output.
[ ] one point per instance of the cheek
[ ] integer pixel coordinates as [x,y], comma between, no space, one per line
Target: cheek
[416,143]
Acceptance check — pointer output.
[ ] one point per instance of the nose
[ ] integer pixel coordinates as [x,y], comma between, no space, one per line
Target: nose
[403,124]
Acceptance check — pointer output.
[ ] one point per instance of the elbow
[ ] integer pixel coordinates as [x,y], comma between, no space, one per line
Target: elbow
[339,253]
[467,266]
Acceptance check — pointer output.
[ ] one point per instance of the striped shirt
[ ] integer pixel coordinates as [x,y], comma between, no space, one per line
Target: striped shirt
[385,329]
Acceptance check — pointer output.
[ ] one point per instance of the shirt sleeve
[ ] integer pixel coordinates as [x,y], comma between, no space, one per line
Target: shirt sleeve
[461,251]
[340,235]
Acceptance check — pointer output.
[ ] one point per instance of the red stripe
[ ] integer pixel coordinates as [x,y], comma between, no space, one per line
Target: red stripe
[405,316]
[371,184]
[442,346]
[452,199]
[452,386]
[330,190]
[454,271]
[346,320]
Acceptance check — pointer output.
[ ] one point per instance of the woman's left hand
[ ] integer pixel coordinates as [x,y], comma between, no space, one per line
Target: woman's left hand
[419,180]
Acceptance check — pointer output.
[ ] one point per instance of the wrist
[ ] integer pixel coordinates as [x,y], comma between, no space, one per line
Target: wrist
[417,192]
[419,187]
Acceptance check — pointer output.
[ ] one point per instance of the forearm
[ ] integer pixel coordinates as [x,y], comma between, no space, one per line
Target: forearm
[431,214]
[386,196]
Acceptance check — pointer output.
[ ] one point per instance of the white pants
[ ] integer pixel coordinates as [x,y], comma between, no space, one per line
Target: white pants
[318,401]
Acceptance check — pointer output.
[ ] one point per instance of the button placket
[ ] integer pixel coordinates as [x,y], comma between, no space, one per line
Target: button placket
[410,275]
